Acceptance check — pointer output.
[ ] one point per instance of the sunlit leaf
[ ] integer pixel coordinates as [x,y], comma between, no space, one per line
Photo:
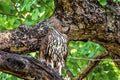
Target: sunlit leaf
[103,2]
[35,14]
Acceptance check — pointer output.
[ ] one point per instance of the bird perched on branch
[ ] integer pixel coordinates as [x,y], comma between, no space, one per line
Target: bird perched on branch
[54,46]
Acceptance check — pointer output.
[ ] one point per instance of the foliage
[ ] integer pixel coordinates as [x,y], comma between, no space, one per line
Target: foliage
[116,1]
[104,2]
[16,12]
[4,76]
[81,50]
[81,53]
[107,70]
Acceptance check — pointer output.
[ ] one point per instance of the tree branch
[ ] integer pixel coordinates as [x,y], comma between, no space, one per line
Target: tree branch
[27,68]
[79,21]
[8,14]
[24,39]
[91,65]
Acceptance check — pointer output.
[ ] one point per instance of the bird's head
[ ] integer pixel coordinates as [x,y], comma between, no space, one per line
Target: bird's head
[49,26]
[53,24]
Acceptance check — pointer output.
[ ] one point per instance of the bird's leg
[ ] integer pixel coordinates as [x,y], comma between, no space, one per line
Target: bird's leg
[50,63]
[41,57]
[60,68]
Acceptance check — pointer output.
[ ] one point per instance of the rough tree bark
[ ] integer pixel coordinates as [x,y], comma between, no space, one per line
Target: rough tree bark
[88,20]
[81,20]
[27,68]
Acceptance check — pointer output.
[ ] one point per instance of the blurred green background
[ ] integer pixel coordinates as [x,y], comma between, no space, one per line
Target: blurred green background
[29,12]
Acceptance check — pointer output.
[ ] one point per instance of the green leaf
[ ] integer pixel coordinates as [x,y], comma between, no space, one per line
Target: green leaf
[25,5]
[35,14]
[33,54]
[103,2]
[28,6]
[34,2]
[91,54]
[5,8]
[116,1]
[27,22]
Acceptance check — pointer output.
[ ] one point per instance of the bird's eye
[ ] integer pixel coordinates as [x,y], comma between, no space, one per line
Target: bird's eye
[46,26]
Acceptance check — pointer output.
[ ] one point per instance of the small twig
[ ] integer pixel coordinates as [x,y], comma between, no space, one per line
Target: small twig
[90,59]
[92,64]
[8,14]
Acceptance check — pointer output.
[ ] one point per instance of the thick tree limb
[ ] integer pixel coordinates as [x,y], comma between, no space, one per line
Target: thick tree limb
[88,20]
[24,39]
[81,20]
[27,68]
